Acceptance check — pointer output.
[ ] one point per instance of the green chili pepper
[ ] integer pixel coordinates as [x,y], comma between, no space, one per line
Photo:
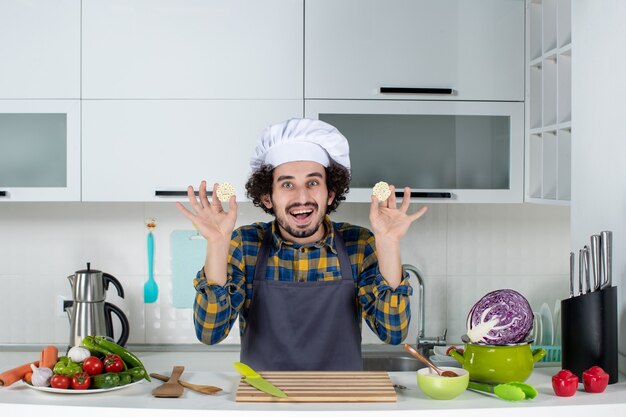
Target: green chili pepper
[90,343]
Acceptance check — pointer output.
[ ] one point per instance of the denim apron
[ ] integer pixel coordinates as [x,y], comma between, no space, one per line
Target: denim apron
[302,326]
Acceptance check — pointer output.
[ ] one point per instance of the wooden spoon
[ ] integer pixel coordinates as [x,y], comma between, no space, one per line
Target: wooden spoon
[431,365]
[205,389]
[171,389]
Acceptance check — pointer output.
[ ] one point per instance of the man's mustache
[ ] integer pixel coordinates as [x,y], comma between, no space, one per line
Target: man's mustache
[312,204]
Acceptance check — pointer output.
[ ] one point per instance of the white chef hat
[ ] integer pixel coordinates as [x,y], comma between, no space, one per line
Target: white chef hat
[300,140]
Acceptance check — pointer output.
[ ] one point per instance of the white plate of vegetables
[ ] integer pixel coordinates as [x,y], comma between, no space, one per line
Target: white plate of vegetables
[99,365]
[80,391]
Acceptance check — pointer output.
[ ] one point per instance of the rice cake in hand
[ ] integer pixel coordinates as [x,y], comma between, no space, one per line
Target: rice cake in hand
[225,191]
[381,191]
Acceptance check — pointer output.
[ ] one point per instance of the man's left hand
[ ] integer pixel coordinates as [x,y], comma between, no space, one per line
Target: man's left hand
[389,222]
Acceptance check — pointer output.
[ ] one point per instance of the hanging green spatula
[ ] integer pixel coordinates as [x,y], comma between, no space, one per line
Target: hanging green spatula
[510,391]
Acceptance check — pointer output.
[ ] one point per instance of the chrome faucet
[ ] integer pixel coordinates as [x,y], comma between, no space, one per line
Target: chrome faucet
[424,344]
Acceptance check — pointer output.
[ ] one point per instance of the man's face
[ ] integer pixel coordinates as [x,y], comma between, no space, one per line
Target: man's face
[299,199]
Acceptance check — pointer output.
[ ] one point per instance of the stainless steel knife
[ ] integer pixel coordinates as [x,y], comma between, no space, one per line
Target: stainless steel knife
[581,270]
[586,267]
[606,255]
[571,274]
[254,379]
[595,261]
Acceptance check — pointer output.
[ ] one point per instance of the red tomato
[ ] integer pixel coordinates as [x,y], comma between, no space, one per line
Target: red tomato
[60,381]
[81,380]
[113,363]
[564,383]
[93,366]
[595,379]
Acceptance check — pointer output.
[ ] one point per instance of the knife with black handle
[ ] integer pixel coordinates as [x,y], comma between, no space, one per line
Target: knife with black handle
[581,271]
[595,262]
[606,255]
[586,267]
[571,274]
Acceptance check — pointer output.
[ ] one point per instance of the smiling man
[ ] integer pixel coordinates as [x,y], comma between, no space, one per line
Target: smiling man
[301,283]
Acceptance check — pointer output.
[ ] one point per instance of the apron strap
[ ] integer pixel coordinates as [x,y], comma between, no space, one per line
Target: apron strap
[263,255]
[342,254]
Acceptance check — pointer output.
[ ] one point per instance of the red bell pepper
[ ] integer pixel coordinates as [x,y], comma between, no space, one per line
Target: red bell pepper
[595,379]
[564,383]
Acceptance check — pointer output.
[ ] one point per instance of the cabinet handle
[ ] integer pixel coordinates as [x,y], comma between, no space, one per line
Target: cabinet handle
[408,90]
[3,193]
[425,194]
[167,193]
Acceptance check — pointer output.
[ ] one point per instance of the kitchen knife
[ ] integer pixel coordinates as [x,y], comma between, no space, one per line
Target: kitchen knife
[595,261]
[571,274]
[581,270]
[586,266]
[254,379]
[606,255]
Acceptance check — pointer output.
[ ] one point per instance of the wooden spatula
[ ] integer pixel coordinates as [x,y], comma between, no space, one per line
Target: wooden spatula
[205,389]
[171,389]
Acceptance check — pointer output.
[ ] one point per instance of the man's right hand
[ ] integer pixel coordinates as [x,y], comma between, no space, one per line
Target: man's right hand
[214,224]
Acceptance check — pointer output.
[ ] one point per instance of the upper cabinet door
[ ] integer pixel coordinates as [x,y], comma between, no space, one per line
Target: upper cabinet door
[353,48]
[40,49]
[444,151]
[151,150]
[40,150]
[163,49]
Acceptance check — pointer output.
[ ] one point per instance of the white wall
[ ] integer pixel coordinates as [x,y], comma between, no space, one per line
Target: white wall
[598,134]
[463,250]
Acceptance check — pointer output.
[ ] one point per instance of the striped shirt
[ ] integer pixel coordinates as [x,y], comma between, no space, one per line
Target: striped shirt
[386,311]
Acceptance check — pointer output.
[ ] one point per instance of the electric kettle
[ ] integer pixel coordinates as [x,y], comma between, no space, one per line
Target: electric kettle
[88,313]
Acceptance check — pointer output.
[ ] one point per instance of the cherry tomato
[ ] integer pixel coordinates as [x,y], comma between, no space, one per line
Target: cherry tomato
[564,383]
[81,380]
[113,363]
[60,381]
[93,366]
[595,379]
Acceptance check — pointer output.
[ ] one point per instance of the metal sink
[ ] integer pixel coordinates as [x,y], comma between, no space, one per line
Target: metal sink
[391,362]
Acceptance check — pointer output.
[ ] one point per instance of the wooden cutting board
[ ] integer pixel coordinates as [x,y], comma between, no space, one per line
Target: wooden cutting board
[325,386]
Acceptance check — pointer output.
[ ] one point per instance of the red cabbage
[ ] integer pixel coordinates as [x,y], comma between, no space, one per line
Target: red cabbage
[501,317]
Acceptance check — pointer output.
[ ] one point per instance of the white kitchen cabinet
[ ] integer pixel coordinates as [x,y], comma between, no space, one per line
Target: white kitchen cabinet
[136,149]
[445,151]
[353,48]
[40,49]
[198,49]
[548,101]
[39,150]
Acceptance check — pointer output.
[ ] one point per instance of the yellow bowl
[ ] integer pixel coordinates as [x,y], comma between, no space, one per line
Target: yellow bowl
[442,387]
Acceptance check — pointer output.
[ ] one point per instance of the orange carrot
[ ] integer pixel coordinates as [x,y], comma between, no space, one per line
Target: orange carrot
[12,375]
[28,377]
[49,356]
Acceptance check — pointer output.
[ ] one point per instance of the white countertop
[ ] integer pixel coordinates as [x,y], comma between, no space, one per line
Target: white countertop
[215,368]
